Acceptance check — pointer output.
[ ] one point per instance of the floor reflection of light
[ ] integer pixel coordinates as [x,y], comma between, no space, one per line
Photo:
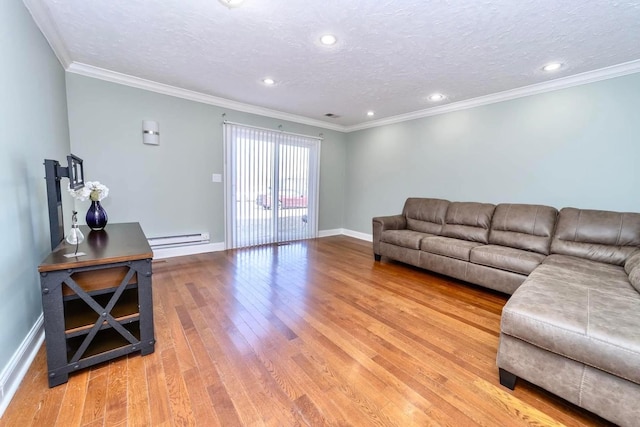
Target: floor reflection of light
[267,280]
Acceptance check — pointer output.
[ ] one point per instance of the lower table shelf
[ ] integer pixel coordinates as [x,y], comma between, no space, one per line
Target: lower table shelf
[79,317]
[105,340]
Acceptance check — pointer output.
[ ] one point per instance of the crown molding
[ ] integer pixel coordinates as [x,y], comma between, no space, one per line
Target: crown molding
[44,22]
[127,80]
[557,84]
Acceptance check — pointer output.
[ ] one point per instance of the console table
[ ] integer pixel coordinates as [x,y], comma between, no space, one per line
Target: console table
[97,306]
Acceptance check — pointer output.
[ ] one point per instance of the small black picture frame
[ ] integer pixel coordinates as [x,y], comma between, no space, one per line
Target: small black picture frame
[75,171]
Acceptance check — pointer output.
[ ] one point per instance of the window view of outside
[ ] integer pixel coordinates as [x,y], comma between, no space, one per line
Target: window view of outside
[271,192]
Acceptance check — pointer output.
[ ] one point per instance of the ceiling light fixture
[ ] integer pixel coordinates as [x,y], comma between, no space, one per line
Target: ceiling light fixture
[553,66]
[328,40]
[370,113]
[231,3]
[436,97]
[268,81]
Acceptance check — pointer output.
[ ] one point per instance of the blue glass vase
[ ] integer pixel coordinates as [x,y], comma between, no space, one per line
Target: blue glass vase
[96,216]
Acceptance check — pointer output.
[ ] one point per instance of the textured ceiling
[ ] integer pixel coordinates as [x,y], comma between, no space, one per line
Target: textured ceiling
[389,57]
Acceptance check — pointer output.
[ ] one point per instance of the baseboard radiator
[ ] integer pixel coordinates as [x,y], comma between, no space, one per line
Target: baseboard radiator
[181,240]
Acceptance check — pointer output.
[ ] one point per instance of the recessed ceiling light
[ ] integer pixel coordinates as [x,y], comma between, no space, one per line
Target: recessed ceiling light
[231,3]
[328,40]
[553,66]
[370,113]
[436,97]
[268,81]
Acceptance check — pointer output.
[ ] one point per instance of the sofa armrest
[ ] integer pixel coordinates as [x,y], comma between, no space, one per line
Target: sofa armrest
[382,223]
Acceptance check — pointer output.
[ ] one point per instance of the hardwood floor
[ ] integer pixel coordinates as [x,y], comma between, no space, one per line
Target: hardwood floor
[312,333]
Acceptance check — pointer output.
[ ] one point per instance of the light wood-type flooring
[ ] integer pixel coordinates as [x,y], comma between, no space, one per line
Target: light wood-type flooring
[310,333]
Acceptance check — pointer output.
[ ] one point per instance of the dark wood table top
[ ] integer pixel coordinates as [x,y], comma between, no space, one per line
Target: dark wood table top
[116,243]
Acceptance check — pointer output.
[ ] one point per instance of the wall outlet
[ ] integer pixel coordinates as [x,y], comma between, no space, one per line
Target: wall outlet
[206,236]
[216,177]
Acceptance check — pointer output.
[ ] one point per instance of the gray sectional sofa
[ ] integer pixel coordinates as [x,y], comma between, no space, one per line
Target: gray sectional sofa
[572,322]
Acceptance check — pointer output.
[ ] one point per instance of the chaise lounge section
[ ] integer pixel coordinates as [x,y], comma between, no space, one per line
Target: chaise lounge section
[572,323]
[573,327]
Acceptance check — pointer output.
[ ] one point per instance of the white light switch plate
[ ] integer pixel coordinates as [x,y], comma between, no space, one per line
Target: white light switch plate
[216,177]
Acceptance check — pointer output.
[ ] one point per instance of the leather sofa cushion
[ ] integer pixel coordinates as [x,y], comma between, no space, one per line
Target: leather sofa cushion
[506,258]
[575,316]
[587,270]
[527,227]
[592,274]
[634,278]
[405,238]
[597,235]
[452,248]
[632,262]
[469,221]
[425,215]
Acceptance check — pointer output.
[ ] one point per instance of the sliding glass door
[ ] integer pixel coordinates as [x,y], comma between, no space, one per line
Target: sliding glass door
[272,186]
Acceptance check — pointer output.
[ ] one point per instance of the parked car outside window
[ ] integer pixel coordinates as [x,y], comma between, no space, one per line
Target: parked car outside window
[287,199]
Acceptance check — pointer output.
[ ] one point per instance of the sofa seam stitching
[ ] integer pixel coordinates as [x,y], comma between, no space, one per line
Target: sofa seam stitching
[575,235]
[588,310]
[584,372]
[620,230]
[535,221]
[506,216]
[626,350]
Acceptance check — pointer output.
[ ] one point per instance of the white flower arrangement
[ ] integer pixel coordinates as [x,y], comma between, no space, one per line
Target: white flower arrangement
[92,190]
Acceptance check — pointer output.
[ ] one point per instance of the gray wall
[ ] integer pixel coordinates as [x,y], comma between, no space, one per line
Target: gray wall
[168,188]
[573,147]
[33,126]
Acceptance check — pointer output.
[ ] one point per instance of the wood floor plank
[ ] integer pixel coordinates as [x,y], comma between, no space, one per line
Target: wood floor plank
[117,396]
[271,385]
[235,395]
[225,409]
[138,403]
[47,411]
[157,386]
[340,374]
[312,333]
[179,401]
[74,400]
[197,389]
[95,423]
[95,403]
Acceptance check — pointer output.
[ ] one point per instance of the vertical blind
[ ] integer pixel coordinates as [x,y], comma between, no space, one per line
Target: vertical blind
[271,186]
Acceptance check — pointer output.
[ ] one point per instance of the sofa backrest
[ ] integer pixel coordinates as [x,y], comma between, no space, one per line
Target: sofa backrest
[603,236]
[425,215]
[527,227]
[468,221]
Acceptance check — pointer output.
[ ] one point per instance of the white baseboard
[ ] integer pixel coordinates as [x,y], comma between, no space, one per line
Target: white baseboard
[346,232]
[160,253]
[17,368]
[358,235]
[334,232]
